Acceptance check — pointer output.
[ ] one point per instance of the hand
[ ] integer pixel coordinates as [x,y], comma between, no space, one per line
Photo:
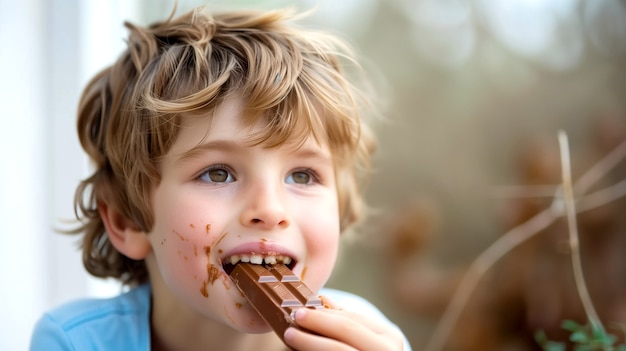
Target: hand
[336,329]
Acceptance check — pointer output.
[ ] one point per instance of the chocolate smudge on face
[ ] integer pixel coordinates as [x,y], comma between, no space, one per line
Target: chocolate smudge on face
[226,281]
[303,273]
[207,228]
[213,273]
[203,289]
[219,239]
[182,238]
[192,226]
[228,315]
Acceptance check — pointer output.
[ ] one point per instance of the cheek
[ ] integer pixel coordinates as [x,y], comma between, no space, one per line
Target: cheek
[182,252]
[181,240]
[322,242]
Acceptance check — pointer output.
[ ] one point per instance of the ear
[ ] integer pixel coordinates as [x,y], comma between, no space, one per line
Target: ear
[123,233]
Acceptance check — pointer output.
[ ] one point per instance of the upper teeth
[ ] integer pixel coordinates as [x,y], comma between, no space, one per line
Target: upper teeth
[259,259]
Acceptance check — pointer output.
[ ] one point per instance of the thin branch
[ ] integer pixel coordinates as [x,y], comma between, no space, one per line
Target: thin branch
[602,197]
[586,181]
[524,191]
[570,208]
[486,259]
[600,169]
[524,232]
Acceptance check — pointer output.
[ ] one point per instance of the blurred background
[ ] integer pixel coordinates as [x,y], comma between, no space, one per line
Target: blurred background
[474,92]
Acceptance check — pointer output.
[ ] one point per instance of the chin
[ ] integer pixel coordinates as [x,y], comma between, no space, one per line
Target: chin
[253,325]
[257,330]
[241,316]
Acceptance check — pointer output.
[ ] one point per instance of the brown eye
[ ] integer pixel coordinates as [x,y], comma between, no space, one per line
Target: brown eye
[299,178]
[217,175]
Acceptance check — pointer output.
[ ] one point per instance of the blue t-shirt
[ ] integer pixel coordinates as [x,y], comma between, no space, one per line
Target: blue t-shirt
[123,322]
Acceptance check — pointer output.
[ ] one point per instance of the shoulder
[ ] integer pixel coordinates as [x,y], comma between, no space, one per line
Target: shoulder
[352,302]
[96,324]
[86,311]
[358,304]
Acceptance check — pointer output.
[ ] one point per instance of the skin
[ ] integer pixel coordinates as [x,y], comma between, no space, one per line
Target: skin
[220,196]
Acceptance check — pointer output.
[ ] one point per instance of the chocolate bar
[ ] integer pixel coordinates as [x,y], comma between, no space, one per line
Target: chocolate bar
[275,292]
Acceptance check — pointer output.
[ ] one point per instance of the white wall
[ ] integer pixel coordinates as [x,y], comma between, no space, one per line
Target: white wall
[50,49]
[23,171]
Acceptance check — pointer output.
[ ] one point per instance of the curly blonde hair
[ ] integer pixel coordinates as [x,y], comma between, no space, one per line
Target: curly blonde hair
[130,113]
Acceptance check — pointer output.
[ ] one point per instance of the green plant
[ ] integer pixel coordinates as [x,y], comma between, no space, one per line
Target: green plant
[584,337]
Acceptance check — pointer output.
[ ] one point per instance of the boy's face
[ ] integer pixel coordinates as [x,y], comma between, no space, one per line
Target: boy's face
[219,198]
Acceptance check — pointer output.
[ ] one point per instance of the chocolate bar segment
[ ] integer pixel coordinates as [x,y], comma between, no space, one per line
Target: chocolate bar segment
[275,292]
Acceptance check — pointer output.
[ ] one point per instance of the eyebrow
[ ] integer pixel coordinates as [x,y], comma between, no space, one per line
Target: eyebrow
[312,153]
[231,146]
[197,151]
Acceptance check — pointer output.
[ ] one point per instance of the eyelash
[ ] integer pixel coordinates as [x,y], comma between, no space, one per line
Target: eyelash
[315,178]
[214,167]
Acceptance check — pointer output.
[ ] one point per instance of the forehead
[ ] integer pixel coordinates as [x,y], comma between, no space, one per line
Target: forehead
[229,121]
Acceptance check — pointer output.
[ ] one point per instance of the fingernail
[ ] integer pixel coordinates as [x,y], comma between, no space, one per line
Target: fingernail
[299,314]
[288,334]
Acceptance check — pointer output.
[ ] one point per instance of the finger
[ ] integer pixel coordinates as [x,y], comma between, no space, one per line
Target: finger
[349,328]
[329,303]
[303,341]
[374,324]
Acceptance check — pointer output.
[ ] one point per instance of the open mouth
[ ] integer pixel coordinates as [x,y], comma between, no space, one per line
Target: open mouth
[266,260]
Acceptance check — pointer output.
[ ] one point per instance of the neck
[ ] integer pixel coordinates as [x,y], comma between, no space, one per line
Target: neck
[175,335]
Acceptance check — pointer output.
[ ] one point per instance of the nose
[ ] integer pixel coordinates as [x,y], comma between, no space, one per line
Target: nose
[265,207]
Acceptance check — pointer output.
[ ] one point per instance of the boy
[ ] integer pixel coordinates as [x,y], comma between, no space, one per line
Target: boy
[217,139]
